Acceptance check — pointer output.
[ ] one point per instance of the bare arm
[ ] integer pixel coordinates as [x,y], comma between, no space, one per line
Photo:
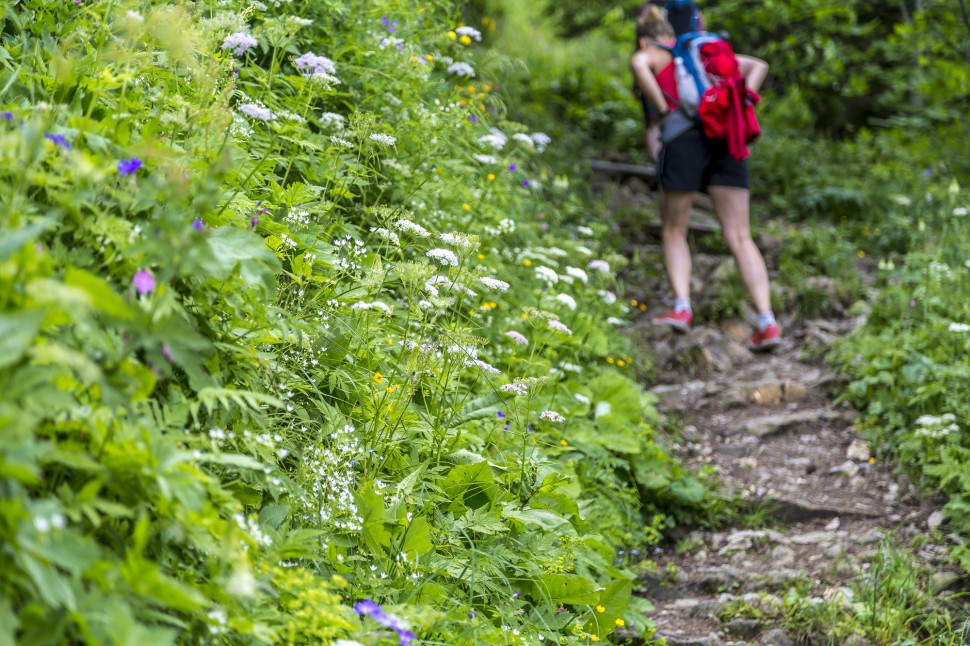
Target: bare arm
[640,64]
[754,70]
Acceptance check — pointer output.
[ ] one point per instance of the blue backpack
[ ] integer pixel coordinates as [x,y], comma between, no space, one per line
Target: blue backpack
[683,15]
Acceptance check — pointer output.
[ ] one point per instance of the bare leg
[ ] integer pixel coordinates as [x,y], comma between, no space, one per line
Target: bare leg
[675,210]
[731,206]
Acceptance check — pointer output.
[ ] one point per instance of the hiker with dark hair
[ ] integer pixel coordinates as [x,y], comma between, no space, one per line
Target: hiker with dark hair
[689,160]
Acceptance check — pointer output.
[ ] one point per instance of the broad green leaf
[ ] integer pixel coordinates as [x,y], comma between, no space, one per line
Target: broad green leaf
[13,241]
[17,333]
[232,249]
[542,518]
[568,588]
[102,296]
[417,537]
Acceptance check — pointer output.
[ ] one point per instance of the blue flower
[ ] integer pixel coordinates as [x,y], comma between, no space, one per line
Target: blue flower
[59,140]
[472,118]
[7,116]
[129,166]
[197,224]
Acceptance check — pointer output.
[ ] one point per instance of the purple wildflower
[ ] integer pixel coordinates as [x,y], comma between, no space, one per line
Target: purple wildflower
[912,303]
[472,118]
[500,415]
[7,116]
[197,224]
[506,427]
[525,182]
[512,167]
[472,614]
[253,223]
[143,281]
[167,352]
[58,140]
[370,609]
[129,166]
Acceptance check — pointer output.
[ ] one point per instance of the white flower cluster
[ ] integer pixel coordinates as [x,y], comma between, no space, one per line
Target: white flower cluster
[311,64]
[256,111]
[444,256]
[410,227]
[390,236]
[239,43]
[546,275]
[567,300]
[551,416]
[252,528]
[300,218]
[494,283]
[599,265]
[376,305]
[483,366]
[516,388]
[934,428]
[495,138]
[384,140]
[578,274]
[541,140]
[332,483]
[486,159]
[559,327]
[959,327]
[461,69]
[471,32]
[458,240]
[518,337]
[332,120]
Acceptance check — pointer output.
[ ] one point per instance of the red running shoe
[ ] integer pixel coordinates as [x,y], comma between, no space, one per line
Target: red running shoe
[680,321]
[765,340]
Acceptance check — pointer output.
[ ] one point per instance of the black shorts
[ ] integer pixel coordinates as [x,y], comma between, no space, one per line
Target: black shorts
[692,162]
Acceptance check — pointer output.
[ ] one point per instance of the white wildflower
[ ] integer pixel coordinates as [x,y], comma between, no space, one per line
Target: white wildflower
[959,327]
[461,69]
[602,408]
[376,305]
[582,399]
[608,297]
[559,326]
[134,16]
[525,139]
[615,321]
[960,211]
[586,231]
[547,275]
[444,256]
[483,366]
[256,111]
[457,240]
[390,236]
[541,140]
[410,227]
[567,300]
[311,64]
[494,283]
[599,265]
[578,274]
[570,367]
[329,119]
[551,416]
[517,337]
[486,159]
[384,140]
[471,32]
[496,139]
[239,43]
[517,388]
[341,143]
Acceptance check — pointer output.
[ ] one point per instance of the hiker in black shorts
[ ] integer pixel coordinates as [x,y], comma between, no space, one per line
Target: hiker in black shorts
[689,161]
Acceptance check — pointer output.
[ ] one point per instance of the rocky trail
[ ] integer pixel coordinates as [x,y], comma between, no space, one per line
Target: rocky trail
[771,431]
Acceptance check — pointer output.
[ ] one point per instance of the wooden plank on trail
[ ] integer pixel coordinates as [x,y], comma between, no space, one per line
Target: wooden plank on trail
[621,170]
[696,225]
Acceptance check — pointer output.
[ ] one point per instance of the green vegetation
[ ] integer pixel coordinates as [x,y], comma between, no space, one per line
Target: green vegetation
[295,319]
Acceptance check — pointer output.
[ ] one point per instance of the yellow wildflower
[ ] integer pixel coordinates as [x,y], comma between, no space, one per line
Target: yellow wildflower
[633,302]
[452,35]
[491,177]
[428,57]
[527,262]
[620,363]
[620,622]
[378,377]
[466,206]
[465,40]
[600,609]
[609,360]
[564,442]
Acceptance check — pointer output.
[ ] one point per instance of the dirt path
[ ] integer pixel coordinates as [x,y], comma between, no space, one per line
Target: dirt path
[770,429]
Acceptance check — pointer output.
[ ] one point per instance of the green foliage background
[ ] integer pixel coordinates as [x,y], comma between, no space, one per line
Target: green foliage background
[268,374]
